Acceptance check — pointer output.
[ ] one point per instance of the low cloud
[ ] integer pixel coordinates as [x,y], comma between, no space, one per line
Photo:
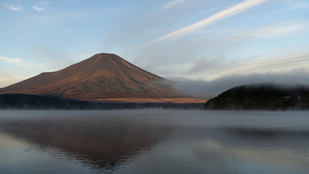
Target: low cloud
[209,89]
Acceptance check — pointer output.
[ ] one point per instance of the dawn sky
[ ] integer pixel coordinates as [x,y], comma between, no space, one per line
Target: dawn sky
[201,40]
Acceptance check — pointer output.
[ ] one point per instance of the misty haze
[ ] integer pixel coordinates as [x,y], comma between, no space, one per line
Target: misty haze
[154,141]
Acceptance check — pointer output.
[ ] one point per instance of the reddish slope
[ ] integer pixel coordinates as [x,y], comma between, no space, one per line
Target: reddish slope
[101,76]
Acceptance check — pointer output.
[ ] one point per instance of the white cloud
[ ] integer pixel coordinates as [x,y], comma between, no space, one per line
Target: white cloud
[41,5]
[11,60]
[210,20]
[205,69]
[17,62]
[37,8]
[270,31]
[171,4]
[276,64]
[14,7]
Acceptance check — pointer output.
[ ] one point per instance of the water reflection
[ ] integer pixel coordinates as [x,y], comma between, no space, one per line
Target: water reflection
[102,143]
[225,150]
[266,133]
[288,145]
[164,141]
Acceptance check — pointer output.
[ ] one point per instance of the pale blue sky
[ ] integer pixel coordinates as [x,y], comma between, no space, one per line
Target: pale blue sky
[189,39]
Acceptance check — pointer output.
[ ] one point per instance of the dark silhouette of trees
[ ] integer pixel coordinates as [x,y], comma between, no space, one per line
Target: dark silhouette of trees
[261,97]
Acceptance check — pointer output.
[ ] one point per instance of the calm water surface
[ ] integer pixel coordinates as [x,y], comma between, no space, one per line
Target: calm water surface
[154,141]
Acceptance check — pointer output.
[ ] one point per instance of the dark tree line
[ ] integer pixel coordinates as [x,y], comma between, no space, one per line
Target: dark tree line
[261,97]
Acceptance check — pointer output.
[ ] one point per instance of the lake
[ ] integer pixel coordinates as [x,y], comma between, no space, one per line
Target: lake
[154,141]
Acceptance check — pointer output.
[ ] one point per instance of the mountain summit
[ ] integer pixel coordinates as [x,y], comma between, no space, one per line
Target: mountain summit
[101,76]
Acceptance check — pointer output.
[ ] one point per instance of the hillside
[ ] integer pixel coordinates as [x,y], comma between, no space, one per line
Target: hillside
[261,97]
[100,76]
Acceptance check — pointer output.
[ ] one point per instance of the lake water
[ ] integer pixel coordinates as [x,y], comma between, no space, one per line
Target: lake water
[154,141]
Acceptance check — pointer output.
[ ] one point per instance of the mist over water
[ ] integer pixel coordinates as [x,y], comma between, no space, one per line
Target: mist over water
[154,141]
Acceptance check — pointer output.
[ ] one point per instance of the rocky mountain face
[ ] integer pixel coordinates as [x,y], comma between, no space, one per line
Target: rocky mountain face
[100,76]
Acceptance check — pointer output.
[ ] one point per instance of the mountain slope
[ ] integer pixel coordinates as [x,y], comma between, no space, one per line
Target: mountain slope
[261,97]
[101,76]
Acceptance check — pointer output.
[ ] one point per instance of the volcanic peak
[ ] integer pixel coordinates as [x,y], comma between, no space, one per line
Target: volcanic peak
[100,76]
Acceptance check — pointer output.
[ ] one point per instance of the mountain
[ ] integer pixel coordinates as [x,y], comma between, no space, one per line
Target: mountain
[100,76]
[261,97]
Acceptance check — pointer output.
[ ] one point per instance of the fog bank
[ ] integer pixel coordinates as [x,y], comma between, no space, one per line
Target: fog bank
[209,89]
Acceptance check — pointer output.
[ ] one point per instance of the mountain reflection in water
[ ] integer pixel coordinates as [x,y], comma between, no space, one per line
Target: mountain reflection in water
[103,143]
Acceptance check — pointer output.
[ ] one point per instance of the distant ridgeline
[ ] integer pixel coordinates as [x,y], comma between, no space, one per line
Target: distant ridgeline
[33,102]
[261,97]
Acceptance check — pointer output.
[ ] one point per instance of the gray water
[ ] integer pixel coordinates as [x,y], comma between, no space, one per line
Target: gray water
[154,141]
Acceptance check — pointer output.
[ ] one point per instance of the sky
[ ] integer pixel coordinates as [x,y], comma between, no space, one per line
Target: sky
[200,43]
